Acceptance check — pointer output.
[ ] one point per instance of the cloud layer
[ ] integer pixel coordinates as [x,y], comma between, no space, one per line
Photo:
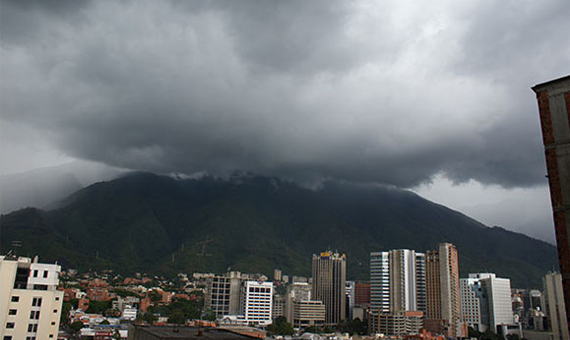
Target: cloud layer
[392,92]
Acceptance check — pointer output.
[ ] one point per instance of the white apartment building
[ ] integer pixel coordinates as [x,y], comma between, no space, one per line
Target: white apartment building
[30,304]
[308,313]
[256,302]
[494,295]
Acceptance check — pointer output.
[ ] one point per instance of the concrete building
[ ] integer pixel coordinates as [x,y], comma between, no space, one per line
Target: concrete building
[494,297]
[554,109]
[400,323]
[298,291]
[278,307]
[329,277]
[554,306]
[308,313]
[30,304]
[471,295]
[397,283]
[256,302]
[223,294]
[443,302]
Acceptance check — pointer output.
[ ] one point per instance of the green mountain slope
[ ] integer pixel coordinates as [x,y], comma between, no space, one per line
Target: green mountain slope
[145,222]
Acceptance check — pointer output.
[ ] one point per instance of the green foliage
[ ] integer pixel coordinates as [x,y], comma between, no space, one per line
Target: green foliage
[256,226]
[65,308]
[209,315]
[98,307]
[177,316]
[354,327]
[490,335]
[147,317]
[280,327]
[154,296]
[104,322]
[76,326]
[513,337]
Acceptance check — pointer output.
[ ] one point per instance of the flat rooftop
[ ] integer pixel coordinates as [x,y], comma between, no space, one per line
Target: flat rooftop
[183,332]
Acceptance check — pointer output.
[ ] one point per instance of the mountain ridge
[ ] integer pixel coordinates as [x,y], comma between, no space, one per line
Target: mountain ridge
[144,221]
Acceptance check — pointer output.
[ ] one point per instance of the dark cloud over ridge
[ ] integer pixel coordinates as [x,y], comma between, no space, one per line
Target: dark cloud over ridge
[390,93]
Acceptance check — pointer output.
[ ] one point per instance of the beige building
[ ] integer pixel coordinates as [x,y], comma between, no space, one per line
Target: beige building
[329,278]
[30,304]
[554,306]
[443,299]
[308,313]
[223,294]
[400,323]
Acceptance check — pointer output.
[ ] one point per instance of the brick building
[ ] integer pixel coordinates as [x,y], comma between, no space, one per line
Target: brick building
[554,109]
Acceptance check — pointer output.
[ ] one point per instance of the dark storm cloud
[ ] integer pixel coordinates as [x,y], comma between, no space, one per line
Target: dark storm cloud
[390,93]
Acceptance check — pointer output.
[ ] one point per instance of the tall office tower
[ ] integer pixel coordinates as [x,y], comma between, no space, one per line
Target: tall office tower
[443,306]
[494,295]
[554,109]
[554,305]
[223,294]
[256,302]
[30,304]
[397,283]
[329,277]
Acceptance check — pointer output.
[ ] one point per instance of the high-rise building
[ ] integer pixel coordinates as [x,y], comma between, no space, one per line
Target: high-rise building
[554,109]
[30,304]
[397,283]
[223,294]
[362,294]
[443,303]
[298,291]
[329,277]
[492,297]
[256,302]
[554,306]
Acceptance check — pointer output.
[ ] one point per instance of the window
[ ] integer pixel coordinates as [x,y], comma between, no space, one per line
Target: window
[37,302]
[45,274]
[57,298]
[12,312]
[51,335]
[15,298]
[7,337]
[53,323]
[9,325]
[32,328]
[31,338]
[55,310]
[34,315]
[35,273]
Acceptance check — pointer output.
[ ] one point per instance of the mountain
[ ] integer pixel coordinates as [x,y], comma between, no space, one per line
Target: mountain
[159,224]
[41,187]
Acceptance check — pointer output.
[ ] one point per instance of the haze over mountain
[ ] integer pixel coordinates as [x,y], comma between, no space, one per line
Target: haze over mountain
[44,186]
[160,224]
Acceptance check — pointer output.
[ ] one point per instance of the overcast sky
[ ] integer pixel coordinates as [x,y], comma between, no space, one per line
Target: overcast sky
[433,96]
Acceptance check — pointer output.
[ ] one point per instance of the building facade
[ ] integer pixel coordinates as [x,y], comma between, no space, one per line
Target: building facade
[553,99]
[223,294]
[397,284]
[443,302]
[30,304]
[256,302]
[329,278]
[308,313]
[554,306]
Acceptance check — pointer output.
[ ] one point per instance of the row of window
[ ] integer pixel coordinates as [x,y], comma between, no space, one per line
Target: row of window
[35,301]
[36,272]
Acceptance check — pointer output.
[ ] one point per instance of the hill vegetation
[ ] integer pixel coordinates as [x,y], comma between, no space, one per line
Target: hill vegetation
[158,224]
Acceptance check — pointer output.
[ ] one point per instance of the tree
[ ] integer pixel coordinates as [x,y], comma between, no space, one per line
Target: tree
[177,316]
[280,327]
[76,326]
[154,296]
[209,315]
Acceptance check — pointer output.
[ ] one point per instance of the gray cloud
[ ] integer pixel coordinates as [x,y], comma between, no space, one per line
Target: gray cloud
[391,93]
